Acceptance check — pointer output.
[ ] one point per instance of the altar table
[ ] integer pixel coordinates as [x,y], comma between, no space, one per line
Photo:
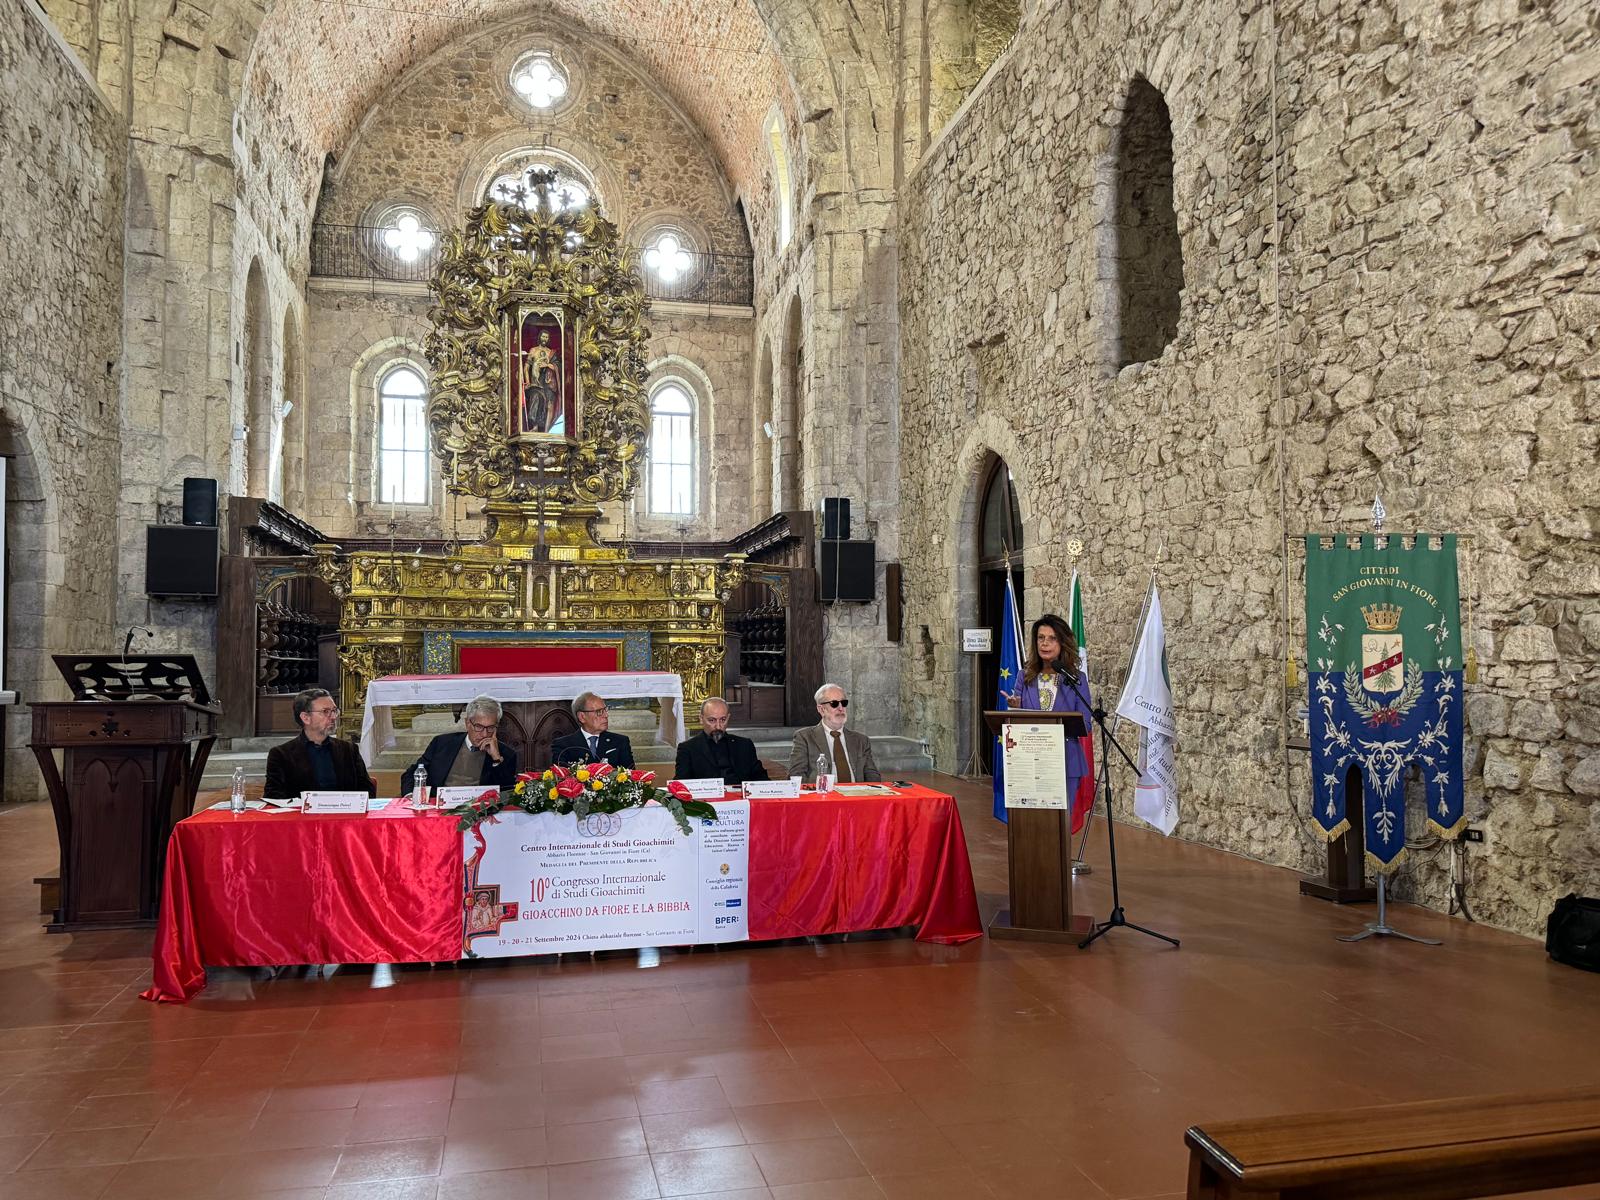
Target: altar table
[265,889]
[390,691]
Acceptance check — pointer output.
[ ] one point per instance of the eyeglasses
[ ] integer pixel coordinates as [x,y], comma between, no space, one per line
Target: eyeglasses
[837,703]
[482,726]
[325,712]
[601,709]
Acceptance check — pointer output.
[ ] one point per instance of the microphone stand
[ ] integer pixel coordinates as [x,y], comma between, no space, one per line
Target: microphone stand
[1117,919]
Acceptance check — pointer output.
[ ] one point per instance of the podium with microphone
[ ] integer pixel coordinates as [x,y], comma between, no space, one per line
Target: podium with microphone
[1038,826]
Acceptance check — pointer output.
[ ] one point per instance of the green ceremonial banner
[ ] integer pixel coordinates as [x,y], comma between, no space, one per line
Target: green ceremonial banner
[1383,644]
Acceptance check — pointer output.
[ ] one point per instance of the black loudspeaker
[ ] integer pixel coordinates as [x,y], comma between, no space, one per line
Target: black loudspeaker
[836,518]
[199,501]
[847,571]
[180,560]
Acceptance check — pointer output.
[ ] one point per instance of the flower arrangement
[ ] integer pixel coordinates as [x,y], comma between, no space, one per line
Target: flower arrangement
[581,790]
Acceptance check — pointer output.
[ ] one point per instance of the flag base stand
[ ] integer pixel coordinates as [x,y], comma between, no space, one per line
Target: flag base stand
[1079,867]
[1382,928]
[1118,919]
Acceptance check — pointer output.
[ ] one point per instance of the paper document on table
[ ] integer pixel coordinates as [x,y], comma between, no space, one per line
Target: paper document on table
[863,789]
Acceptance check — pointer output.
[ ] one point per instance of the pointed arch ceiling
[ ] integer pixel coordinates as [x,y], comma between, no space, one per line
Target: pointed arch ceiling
[318,65]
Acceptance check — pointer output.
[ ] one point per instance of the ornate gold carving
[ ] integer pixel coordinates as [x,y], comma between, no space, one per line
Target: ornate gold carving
[575,260]
[363,661]
[698,664]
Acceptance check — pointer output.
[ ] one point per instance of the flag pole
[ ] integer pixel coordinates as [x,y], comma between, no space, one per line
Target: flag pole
[1117,919]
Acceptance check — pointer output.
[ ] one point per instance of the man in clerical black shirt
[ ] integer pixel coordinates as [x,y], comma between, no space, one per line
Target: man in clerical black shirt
[316,761]
[717,752]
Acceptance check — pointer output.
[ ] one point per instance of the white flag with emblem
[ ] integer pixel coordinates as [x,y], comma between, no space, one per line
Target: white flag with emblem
[1147,702]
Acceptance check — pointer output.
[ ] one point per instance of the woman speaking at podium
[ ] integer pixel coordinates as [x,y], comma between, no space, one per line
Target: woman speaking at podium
[1048,679]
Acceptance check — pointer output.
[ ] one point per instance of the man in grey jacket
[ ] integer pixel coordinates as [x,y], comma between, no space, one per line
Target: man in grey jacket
[848,753]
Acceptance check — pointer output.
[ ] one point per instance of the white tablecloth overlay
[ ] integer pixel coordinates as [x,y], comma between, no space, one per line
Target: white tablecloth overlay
[377,726]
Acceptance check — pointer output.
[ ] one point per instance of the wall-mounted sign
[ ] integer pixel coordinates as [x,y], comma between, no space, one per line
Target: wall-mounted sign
[977,641]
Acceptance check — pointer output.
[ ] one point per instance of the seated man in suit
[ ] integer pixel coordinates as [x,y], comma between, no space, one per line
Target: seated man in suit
[315,760]
[848,753]
[471,758]
[591,742]
[715,751]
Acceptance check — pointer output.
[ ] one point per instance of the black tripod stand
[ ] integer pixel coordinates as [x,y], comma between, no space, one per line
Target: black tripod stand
[1117,918]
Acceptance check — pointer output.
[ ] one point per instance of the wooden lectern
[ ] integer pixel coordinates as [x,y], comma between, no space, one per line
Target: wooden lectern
[126,736]
[1039,850]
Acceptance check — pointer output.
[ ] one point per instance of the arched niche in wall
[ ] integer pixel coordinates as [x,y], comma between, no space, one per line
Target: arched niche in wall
[763,502]
[1144,246]
[261,442]
[789,425]
[294,424]
[30,547]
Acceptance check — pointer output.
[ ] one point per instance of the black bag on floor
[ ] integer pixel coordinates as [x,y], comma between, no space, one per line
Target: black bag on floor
[1572,935]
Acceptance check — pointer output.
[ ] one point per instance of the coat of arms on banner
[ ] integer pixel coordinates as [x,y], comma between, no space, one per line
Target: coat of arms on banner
[1384,650]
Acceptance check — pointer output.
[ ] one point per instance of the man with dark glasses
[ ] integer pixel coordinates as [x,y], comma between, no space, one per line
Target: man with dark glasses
[847,753]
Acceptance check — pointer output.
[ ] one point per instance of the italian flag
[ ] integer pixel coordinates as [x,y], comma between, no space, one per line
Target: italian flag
[1084,800]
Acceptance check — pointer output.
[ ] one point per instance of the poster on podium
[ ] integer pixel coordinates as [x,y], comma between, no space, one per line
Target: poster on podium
[1035,757]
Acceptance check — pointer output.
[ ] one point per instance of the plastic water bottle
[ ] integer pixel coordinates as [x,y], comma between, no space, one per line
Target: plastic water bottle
[419,787]
[236,800]
[824,778]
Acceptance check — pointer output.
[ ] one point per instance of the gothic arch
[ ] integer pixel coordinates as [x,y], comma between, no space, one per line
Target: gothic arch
[32,545]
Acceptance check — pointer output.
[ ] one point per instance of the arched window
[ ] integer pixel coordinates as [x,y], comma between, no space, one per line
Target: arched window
[671,450]
[572,189]
[1000,521]
[539,80]
[1149,254]
[403,437]
[783,193]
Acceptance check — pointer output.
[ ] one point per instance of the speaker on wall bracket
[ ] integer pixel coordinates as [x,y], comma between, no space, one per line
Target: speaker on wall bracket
[180,560]
[199,501]
[836,518]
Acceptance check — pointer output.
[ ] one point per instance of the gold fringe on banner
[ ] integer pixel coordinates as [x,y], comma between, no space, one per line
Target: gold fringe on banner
[1386,868]
[1453,831]
[1338,831]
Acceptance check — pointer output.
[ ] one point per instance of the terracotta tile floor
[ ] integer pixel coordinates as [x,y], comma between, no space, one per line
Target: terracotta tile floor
[869,1068]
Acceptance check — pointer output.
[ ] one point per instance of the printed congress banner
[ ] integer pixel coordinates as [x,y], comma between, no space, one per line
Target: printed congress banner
[1383,643]
[547,883]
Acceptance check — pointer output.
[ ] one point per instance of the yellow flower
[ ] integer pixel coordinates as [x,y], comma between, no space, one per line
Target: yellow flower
[597,784]
[583,776]
[553,793]
[522,786]
[623,776]
[548,776]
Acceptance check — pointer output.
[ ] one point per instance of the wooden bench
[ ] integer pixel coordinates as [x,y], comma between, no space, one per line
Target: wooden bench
[1433,1150]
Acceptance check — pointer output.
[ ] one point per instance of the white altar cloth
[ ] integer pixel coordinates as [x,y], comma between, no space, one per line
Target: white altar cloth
[377,725]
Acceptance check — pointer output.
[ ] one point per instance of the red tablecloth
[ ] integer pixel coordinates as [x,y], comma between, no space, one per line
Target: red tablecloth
[254,890]
[834,864]
[262,890]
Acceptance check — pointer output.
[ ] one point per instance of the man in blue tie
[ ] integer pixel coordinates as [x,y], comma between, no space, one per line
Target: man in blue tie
[592,741]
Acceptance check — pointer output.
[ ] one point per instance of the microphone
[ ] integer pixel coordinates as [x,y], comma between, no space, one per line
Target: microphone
[128,641]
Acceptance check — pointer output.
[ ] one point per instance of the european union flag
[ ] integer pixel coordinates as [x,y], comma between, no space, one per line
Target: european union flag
[1010,681]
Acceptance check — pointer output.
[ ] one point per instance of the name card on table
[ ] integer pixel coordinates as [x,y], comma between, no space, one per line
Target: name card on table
[705,789]
[449,797]
[772,789]
[335,802]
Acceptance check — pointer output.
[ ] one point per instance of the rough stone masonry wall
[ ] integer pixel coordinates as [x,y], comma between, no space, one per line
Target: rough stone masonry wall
[63,173]
[1440,295]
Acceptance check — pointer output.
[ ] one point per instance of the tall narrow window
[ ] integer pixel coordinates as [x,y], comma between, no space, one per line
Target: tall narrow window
[782,192]
[671,451]
[403,437]
[1149,253]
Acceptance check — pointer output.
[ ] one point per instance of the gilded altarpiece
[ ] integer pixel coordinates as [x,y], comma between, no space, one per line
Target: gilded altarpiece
[537,407]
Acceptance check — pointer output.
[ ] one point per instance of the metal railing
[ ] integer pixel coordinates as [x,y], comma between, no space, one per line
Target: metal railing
[365,252]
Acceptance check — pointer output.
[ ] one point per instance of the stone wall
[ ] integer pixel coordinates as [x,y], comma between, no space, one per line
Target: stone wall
[63,171]
[1430,177]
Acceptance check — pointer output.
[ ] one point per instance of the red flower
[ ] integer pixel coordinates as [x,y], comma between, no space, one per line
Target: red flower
[645,777]
[561,772]
[569,788]
[489,796]
[527,776]
[678,789]
[600,770]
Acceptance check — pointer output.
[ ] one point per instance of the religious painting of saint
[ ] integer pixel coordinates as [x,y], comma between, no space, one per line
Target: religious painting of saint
[541,375]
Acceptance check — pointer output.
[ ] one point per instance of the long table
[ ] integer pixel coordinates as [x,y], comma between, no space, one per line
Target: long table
[267,889]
